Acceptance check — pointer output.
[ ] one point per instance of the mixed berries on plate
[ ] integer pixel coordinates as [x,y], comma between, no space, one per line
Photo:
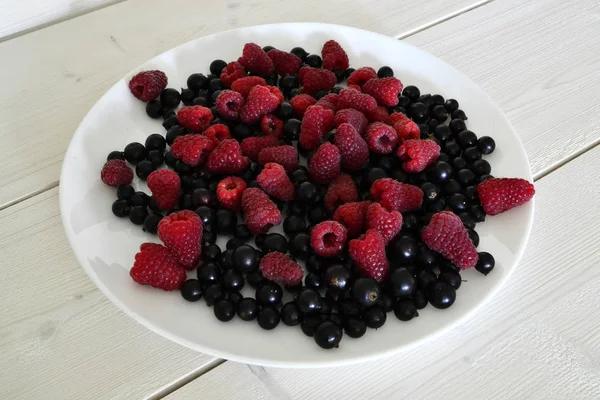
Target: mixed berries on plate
[378,189]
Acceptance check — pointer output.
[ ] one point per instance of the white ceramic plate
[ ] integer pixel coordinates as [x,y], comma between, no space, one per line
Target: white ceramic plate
[105,245]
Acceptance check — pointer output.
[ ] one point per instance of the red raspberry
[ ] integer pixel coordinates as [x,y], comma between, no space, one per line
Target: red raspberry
[384,90]
[275,90]
[325,166]
[328,238]
[300,104]
[195,118]
[355,87]
[271,126]
[501,194]
[254,59]
[317,122]
[368,254]
[334,57]
[181,232]
[361,76]
[229,104]
[352,117]
[285,63]
[447,235]
[341,191]
[405,127]
[353,148]
[275,182]
[381,138]
[353,217]
[229,192]
[278,267]
[232,72]
[315,79]
[147,85]
[251,146]
[165,185]
[417,154]
[217,133]
[227,158]
[287,156]
[116,172]
[245,84]
[387,223]
[260,102]
[350,98]
[260,213]
[156,266]
[396,196]
[192,149]
[328,101]
[380,115]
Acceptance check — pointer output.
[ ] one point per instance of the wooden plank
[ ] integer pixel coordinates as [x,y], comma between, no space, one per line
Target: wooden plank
[24,15]
[539,338]
[539,60]
[60,337]
[52,87]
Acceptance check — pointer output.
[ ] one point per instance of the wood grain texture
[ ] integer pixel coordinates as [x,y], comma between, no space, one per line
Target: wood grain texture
[52,87]
[23,15]
[539,338]
[539,60]
[60,337]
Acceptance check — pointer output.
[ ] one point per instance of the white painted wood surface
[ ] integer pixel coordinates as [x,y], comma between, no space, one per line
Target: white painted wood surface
[52,86]
[540,60]
[24,15]
[60,337]
[539,338]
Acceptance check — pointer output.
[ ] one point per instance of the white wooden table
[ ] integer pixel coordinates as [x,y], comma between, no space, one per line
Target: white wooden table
[60,338]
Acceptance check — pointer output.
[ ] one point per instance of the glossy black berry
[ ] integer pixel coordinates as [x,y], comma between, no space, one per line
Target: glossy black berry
[430,192]
[466,139]
[375,317]
[309,301]
[468,220]
[370,175]
[143,169]
[451,105]
[314,61]
[138,214]
[441,295]
[412,92]
[299,246]
[235,298]
[465,177]
[155,142]
[115,155]
[124,192]
[187,96]
[275,242]
[419,299]
[173,133]
[182,168]
[328,335]
[197,81]
[241,131]
[310,323]
[478,213]
[294,224]
[268,317]
[313,281]
[170,98]
[410,222]
[337,276]
[213,293]
[474,236]
[255,278]
[401,282]
[233,280]
[245,258]
[418,111]
[154,109]
[385,72]
[425,277]
[405,310]
[242,232]
[439,113]
[315,264]
[207,215]
[224,310]
[121,208]
[227,260]
[486,263]
[320,94]
[216,67]
[200,101]
[247,309]
[135,152]
[209,272]
[442,172]
[459,163]
[156,158]
[316,214]
[211,252]
[209,237]
[486,145]
[269,293]
[365,291]
[191,290]
[481,167]
[452,278]
[139,199]
[452,186]
[403,102]
[403,249]
[290,315]
[299,52]
[355,327]
[151,222]
[452,148]
[460,114]
[426,99]
[457,126]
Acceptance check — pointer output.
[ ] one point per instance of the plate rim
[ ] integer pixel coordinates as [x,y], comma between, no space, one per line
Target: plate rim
[351,360]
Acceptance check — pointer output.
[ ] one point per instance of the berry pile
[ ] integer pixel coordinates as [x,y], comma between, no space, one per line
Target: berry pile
[378,189]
